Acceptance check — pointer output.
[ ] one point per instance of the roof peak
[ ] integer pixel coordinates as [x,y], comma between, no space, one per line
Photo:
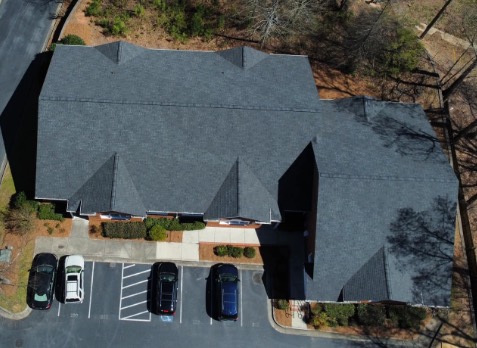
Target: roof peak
[244,57]
[120,51]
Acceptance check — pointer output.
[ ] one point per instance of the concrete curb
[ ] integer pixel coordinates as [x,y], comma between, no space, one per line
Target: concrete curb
[52,28]
[15,316]
[65,24]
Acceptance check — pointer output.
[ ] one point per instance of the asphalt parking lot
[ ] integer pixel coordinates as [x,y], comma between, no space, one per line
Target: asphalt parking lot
[115,291]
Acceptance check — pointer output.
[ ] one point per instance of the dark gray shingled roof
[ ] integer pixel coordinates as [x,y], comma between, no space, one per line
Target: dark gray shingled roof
[381,158]
[235,134]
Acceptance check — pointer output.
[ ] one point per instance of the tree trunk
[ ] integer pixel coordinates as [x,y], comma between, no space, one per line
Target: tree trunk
[434,20]
[448,91]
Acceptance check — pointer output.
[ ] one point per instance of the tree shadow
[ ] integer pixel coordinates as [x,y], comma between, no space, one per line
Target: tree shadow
[406,139]
[422,242]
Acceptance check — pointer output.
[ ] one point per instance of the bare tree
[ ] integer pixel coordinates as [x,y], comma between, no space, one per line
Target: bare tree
[280,18]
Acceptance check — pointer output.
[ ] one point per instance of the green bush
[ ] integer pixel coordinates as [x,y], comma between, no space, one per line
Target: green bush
[338,313]
[157,233]
[197,22]
[406,317]
[72,39]
[139,10]
[221,250]
[46,211]
[50,230]
[174,224]
[94,8]
[371,314]
[126,230]
[403,53]
[118,26]
[235,252]
[20,200]
[320,320]
[249,252]
[282,304]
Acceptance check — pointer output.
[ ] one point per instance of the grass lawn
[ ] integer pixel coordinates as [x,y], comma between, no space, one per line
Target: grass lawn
[7,189]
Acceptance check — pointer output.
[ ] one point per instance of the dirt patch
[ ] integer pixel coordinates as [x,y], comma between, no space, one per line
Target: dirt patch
[282,317]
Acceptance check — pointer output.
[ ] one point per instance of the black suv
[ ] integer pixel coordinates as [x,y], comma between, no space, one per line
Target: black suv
[41,281]
[164,288]
[226,291]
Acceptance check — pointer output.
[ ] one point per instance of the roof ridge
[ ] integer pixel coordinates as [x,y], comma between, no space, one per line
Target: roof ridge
[195,105]
[115,174]
[381,177]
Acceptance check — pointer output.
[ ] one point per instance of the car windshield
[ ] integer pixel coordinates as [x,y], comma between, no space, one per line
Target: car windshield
[45,269]
[168,277]
[73,269]
[226,277]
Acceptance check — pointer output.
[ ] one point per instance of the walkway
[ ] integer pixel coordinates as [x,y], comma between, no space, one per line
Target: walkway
[120,250]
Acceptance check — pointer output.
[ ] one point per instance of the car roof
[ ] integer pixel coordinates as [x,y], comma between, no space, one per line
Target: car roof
[74,260]
[45,259]
[167,267]
[227,268]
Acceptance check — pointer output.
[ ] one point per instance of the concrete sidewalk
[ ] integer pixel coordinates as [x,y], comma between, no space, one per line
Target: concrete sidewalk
[122,250]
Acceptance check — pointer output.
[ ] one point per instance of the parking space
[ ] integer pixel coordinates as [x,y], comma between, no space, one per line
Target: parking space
[116,291]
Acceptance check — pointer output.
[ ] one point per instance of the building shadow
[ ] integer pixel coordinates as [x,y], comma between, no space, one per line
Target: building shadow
[19,124]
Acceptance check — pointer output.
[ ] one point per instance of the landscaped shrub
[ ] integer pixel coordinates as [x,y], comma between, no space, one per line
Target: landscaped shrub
[371,314]
[235,252]
[46,211]
[174,224]
[249,252]
[157,233]
[282,304]
[93,229]
[338,313]
[221,250]
[72,39]
[19,200]
[406,317]
[319,320]
[127,230]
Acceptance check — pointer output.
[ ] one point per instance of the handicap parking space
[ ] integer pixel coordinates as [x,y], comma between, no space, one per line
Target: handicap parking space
[133,302]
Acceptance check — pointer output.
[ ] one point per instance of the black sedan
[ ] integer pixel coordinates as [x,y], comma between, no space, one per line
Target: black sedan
[41,281]
[164,288]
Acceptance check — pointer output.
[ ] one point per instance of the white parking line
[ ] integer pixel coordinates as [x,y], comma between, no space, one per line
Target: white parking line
[121,294]
[129,266]
[241,307]
[91,292]
[135,274]
[133,305]
[59,308]
[180,295]
[135,315]
[212,299]
[135,294]
[128,286]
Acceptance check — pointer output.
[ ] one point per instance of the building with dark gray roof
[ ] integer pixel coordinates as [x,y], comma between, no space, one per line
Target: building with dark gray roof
[241,136]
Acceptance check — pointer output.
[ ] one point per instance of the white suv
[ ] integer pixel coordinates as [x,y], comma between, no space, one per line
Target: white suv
[74,268]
